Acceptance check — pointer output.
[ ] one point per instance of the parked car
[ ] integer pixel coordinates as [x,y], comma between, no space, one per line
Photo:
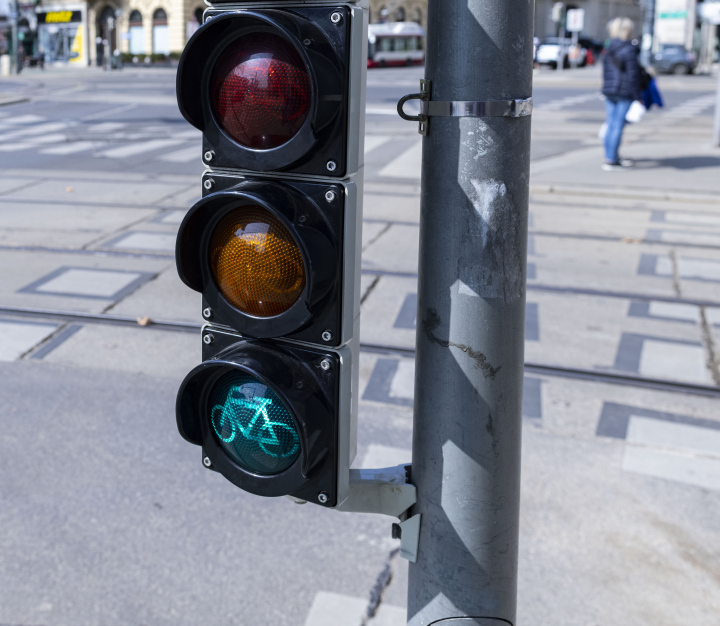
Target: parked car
[674,59]
[593,45]
[551,48]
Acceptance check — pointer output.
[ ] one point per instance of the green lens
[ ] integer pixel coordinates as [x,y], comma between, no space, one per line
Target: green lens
[253,425]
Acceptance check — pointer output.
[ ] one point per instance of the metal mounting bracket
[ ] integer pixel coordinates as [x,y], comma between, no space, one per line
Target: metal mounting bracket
[521,107]
[387,491]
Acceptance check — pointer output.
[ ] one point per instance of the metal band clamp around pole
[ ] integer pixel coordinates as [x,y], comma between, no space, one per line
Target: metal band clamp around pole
[521,107]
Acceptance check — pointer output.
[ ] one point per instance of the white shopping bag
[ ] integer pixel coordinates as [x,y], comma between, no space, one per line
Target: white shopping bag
[635,113]
[602,131]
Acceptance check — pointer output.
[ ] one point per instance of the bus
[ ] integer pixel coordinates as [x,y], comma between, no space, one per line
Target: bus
[398,43]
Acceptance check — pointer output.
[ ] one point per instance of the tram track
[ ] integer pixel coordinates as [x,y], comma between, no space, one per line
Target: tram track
[540,369]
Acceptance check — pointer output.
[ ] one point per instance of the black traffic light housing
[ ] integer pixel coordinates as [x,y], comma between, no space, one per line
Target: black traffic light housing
[317,215]
[322,41]
[310,382]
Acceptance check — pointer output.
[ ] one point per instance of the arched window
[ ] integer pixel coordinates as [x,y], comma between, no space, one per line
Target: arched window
[160,17]
[135,30]
[418,17]
[161,35]
[400,15]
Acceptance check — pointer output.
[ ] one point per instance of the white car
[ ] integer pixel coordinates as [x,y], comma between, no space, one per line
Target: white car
[549,51]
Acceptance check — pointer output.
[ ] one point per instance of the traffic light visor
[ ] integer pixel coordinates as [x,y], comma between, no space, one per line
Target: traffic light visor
[261,90]
[252,424]
[257,265]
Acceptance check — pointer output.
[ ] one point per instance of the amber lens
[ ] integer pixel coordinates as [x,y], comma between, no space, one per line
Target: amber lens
[256,264]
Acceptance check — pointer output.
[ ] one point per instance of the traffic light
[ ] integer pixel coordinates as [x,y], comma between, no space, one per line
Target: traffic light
[273,246]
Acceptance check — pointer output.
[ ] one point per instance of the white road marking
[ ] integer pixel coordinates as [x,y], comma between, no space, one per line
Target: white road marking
[78,282]
[184,156]
[138,148]
[334,609]
[32,143]
[71,148]
[662,359]
[16,338]
[407,165]
[570,101]
[378,456]
[374,141]
[691,108]
[678,452]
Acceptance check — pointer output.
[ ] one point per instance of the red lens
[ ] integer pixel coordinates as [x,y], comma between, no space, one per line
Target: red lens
[261,91]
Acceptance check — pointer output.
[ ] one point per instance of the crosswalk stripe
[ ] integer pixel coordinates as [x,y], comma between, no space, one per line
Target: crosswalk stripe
[35,130]
[139,148]
[70,148]
[183,156]
[24,119]
[374,141]
[691,108]
[32,143]
[105,127]
[407,165]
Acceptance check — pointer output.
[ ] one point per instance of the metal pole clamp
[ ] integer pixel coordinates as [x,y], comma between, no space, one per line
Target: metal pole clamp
[462,108]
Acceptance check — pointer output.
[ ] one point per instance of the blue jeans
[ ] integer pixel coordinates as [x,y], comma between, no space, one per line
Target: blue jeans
[616,110]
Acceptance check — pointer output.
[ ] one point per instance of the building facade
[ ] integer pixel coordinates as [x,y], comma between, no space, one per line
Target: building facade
[399,11]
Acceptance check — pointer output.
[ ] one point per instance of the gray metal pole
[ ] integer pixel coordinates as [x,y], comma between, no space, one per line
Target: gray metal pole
[716,133]
[471,312]
[14,33]
[648,33]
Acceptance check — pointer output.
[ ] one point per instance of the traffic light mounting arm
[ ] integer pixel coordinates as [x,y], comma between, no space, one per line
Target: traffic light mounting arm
[387,491]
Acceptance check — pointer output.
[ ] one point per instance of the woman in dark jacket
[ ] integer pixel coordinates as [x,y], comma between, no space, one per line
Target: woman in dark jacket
[621,85]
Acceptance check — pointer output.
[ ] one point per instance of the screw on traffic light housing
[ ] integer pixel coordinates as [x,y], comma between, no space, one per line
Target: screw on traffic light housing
[270,89]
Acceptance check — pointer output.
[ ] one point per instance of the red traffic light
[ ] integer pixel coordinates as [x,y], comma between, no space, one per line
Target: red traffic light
[261,91]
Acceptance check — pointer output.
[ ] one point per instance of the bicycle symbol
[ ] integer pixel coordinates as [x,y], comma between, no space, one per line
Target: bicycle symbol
[228,417]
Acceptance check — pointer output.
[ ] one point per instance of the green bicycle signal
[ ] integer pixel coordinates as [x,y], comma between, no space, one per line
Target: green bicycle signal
[253,425]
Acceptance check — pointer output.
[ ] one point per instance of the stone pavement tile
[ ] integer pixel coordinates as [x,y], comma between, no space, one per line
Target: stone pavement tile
[380,321]
[157,353]
[402,205]
[8,183]
[165,298]
[396,249]
[36,269]
[614,547]
[689,167]
[187,196]
[139,193]
[19,337]
[596,264]
[61,226]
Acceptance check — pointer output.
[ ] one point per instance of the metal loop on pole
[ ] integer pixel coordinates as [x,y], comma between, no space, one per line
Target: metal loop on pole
[519,107]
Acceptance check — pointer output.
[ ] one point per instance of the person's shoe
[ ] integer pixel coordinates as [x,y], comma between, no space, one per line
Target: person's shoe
[610,167]
[627,162]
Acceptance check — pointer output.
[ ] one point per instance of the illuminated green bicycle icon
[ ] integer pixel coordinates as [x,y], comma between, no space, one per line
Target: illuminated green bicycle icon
[230,420]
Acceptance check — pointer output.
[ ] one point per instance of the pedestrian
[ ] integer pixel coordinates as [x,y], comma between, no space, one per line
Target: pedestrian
[621,86]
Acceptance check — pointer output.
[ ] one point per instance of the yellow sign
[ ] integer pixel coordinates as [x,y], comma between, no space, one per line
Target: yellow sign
[58,17]
[77,51]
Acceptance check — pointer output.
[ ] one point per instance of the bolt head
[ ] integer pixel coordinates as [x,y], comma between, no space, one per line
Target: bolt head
[207,313]
[325,364]
[307,42]
[302,219]
[336,17]
[208,339]
[207,462]
[209,155]
[327,336]
[331,166]
[323,497]
[330,195]
[209,183]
